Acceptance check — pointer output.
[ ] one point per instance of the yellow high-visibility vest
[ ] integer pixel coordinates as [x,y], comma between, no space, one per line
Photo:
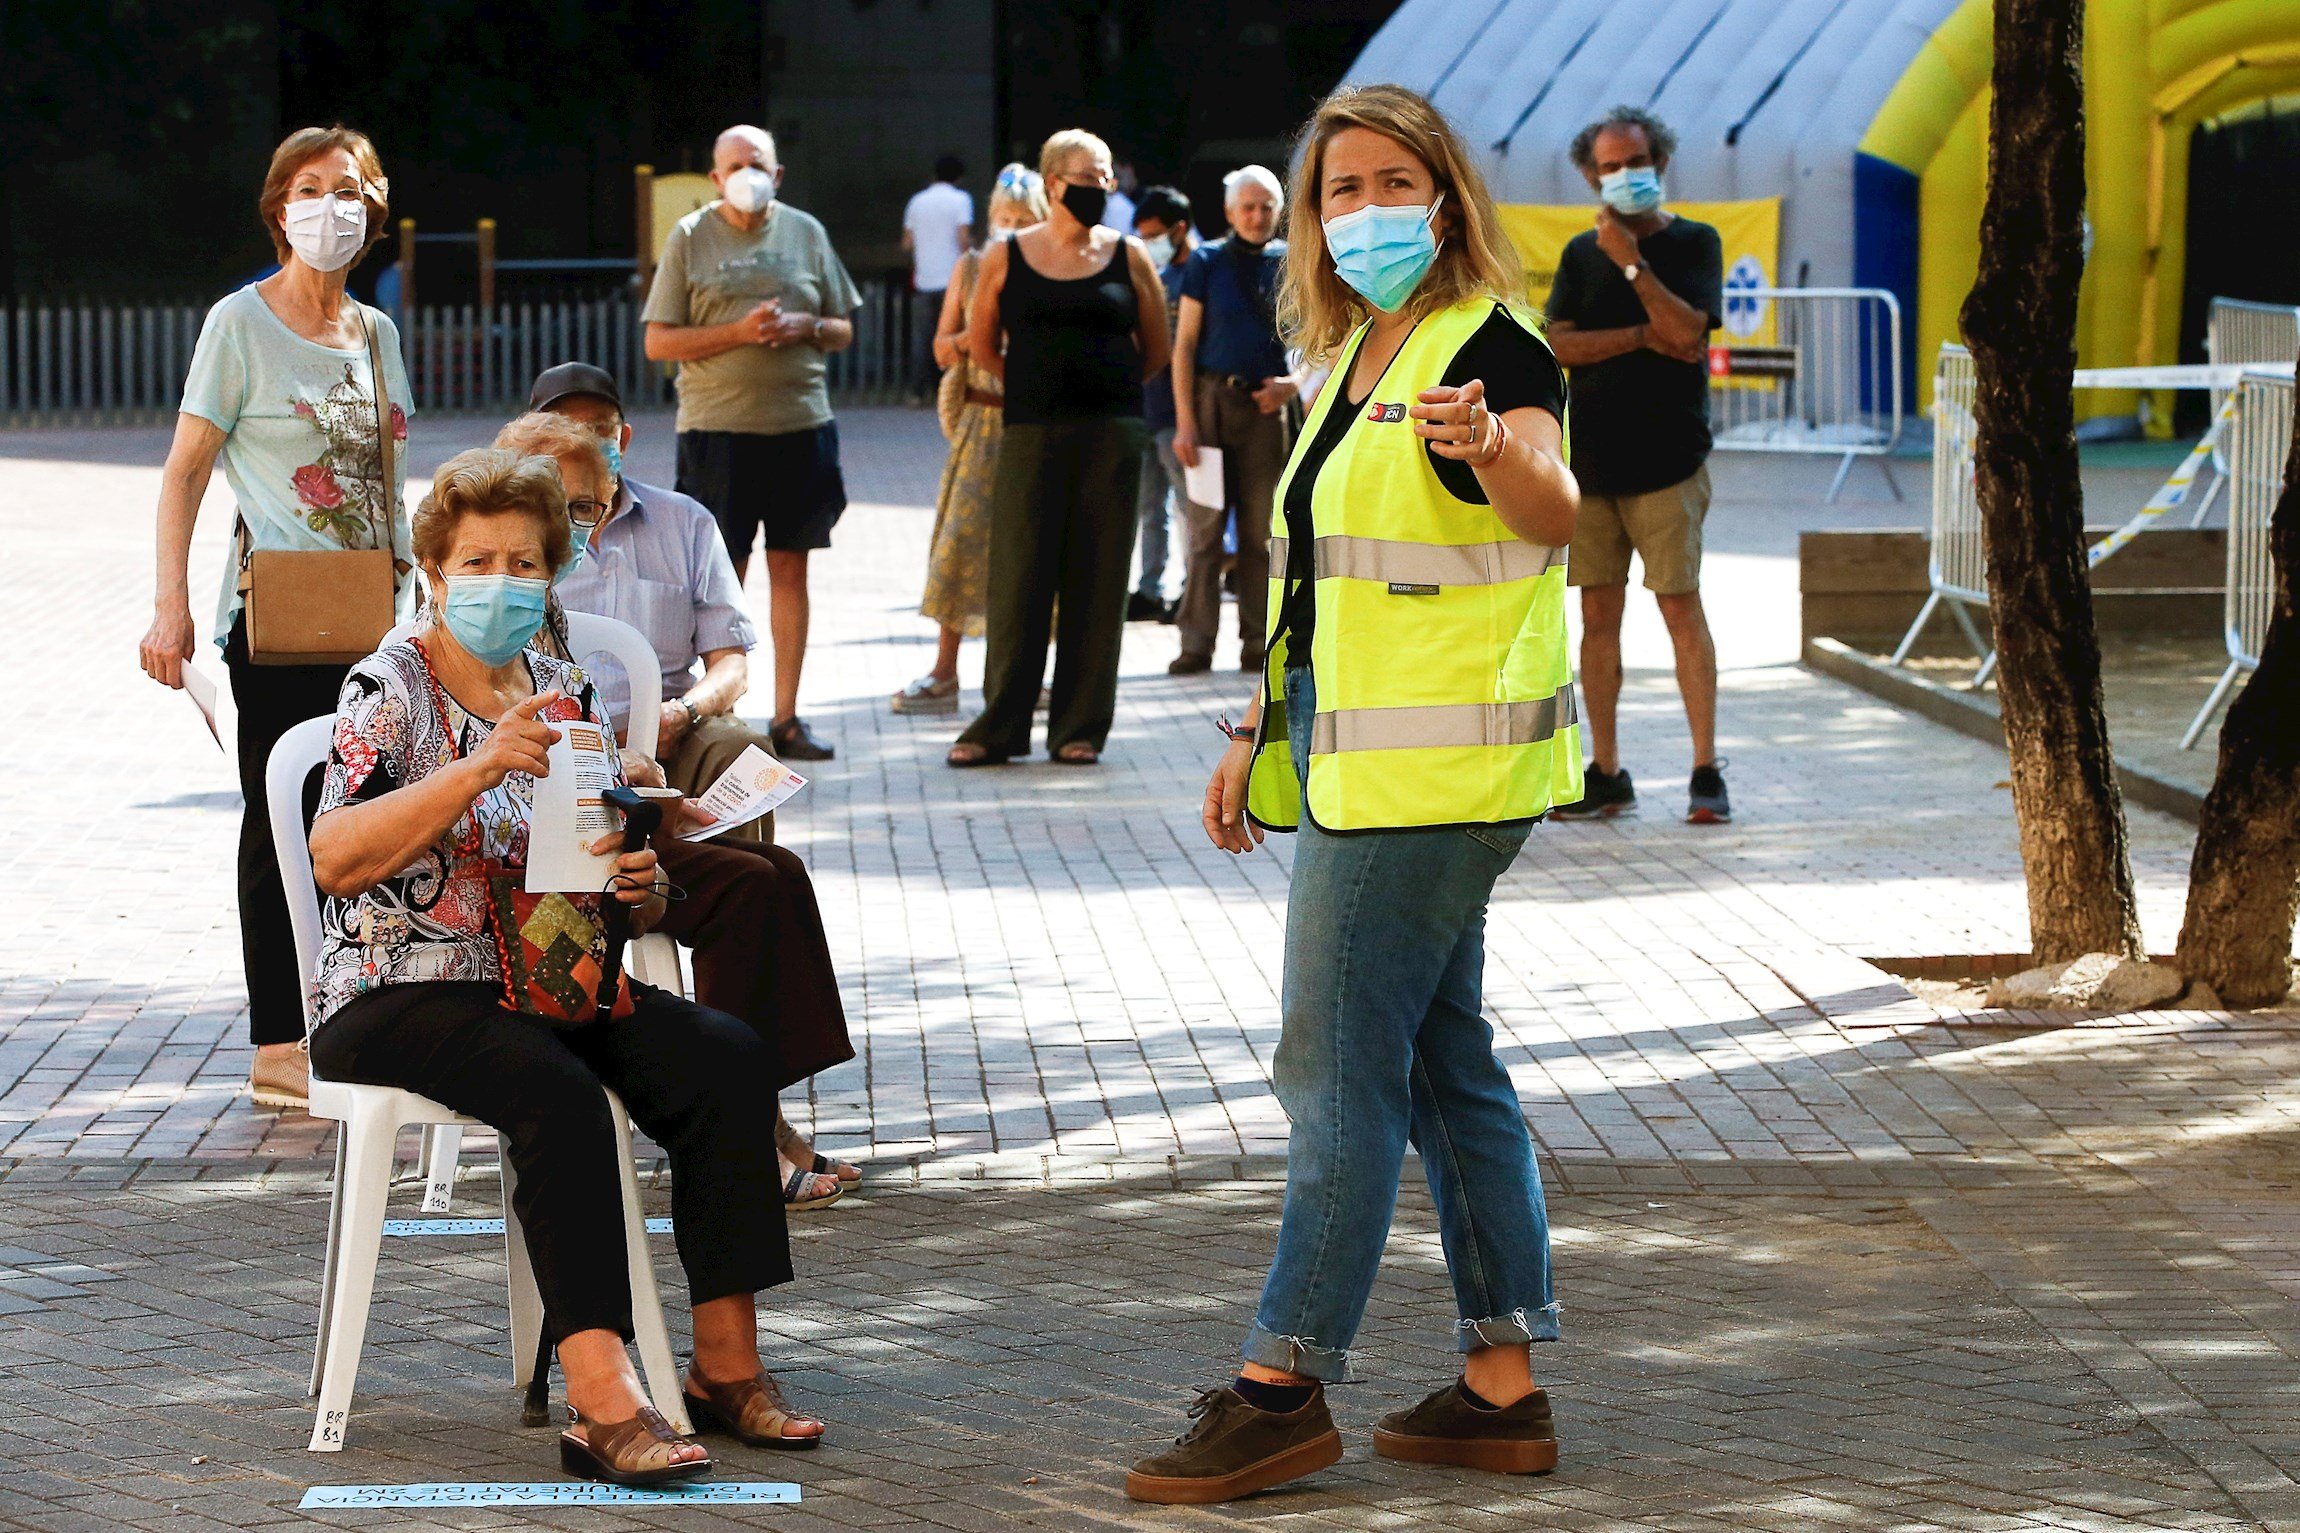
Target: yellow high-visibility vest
[1444,691]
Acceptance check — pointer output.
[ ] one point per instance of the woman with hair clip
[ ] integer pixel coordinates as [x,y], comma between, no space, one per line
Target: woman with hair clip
[1416,718]
[299,388]
[972,404]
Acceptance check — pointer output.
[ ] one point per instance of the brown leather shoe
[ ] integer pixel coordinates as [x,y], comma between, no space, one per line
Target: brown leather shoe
[1232,1450]
[753,1412]
[634,1452]
[1447,1429]
[1188,664]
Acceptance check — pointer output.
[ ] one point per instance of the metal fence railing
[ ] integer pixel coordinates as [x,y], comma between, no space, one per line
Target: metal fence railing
[98,364]
[1810,370]
[1957,569]
[2259,442]
[2238,331]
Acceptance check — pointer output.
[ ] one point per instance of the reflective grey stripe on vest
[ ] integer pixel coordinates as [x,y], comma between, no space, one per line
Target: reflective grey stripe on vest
[1443,724]
[1422,564]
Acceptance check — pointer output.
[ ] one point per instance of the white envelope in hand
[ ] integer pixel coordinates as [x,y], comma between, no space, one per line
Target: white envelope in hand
[1203,484]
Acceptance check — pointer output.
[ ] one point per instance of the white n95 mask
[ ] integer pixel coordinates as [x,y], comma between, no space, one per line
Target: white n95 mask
[327,233]
[750,189]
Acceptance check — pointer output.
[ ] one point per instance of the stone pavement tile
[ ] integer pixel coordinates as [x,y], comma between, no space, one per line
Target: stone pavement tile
[992,1357]
[1053,963]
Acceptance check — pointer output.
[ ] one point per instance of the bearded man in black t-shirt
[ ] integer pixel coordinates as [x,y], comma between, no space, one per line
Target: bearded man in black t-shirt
[1629,315]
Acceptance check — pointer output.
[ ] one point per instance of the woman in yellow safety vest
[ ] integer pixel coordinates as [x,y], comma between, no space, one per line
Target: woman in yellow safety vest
[1416,718]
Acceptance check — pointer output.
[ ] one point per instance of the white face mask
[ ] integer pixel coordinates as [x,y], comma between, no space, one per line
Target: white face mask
[750,189]
[327,233]
[1161,251]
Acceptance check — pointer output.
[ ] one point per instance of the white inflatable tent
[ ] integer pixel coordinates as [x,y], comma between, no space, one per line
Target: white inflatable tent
[1767,97]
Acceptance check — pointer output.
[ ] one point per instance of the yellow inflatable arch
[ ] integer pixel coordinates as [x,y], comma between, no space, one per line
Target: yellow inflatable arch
[2154,70]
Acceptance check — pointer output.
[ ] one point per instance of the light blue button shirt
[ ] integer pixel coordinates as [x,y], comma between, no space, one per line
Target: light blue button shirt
[659,565]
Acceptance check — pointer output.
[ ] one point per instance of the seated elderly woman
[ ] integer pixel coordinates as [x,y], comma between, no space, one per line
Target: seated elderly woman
[430,979]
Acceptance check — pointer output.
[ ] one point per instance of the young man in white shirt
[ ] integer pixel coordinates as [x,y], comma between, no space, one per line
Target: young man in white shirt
[937,228]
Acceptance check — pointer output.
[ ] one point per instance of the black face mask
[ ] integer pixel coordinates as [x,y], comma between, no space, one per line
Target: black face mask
[1085,202]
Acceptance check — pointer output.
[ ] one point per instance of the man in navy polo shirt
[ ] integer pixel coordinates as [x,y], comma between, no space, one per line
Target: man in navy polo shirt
[1232,390]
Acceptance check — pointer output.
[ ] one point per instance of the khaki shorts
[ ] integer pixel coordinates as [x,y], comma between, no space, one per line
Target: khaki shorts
[1664,526]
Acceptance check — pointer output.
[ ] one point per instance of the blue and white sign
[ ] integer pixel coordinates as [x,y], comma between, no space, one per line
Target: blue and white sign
[548,1493]
[1744,313]
[415,1227]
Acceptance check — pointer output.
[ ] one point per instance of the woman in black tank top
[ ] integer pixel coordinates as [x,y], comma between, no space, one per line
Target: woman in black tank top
[1073,350]
[1070,352]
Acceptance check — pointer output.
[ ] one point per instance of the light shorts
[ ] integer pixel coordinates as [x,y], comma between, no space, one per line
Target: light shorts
[1664,526]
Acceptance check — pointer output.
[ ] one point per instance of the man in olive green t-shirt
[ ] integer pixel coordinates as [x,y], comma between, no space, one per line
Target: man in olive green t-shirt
[749,299]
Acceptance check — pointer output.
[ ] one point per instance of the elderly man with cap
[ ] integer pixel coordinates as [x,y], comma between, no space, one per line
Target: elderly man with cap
[652,558]
[1232,390]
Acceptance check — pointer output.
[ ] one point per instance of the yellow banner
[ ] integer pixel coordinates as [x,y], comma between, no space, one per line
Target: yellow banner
[1750,232]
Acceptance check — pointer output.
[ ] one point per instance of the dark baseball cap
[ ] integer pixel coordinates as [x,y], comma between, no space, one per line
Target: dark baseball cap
[556,383]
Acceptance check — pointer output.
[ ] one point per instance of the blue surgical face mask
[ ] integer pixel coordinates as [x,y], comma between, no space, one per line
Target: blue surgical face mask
[1632,191]
[493,616]
[1384,252]
[612,445]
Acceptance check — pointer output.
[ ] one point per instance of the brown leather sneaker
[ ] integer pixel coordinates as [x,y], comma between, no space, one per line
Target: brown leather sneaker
[1233,1450]
[1447,1429]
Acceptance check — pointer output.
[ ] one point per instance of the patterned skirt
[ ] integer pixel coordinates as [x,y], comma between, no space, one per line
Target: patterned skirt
[958,557]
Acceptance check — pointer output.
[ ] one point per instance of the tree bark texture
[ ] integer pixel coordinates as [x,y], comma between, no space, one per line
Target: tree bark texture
[2244,883]
[2020,320]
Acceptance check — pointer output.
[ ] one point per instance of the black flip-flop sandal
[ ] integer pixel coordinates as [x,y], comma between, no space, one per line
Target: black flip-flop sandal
[986,759]
[793,1203]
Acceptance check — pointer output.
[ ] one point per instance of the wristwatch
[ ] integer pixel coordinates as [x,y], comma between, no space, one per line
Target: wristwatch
[694,715]
[1629,273]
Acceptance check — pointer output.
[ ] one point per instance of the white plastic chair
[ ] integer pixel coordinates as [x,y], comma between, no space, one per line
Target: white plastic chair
[652,959]
[371,1118]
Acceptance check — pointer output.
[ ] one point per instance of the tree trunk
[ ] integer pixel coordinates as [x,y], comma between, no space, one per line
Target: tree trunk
[2244,883]
[2020,321]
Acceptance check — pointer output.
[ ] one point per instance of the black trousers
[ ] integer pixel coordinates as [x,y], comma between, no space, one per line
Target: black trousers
[699,1082]
[1061,538]
[271,699]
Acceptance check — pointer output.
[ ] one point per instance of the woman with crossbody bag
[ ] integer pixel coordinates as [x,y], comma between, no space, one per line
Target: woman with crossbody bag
[299,389]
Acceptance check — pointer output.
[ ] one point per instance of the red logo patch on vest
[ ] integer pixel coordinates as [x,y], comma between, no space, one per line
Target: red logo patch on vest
[1385,413]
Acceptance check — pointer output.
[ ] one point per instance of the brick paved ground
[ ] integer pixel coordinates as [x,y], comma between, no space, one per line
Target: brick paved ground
[1825,1260]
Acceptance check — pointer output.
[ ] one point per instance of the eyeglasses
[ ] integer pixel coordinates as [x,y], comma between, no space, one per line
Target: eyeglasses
[586,513]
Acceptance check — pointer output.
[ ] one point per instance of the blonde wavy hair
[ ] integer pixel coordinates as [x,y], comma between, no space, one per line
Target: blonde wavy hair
[1317,310]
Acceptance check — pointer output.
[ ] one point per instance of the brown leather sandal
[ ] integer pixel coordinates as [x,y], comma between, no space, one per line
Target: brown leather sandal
[634,1452]
[753,1412]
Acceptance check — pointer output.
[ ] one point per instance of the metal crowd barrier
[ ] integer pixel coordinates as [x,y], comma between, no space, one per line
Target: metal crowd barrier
[1957,568]
[2237,331]
[2259,441]
[99,364]
[1815,370]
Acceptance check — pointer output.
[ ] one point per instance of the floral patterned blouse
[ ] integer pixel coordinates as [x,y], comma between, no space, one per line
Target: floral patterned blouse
[429,921]
[301,448]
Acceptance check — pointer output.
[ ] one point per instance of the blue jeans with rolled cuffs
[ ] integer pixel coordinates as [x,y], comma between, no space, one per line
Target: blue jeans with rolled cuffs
[1384,1044]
